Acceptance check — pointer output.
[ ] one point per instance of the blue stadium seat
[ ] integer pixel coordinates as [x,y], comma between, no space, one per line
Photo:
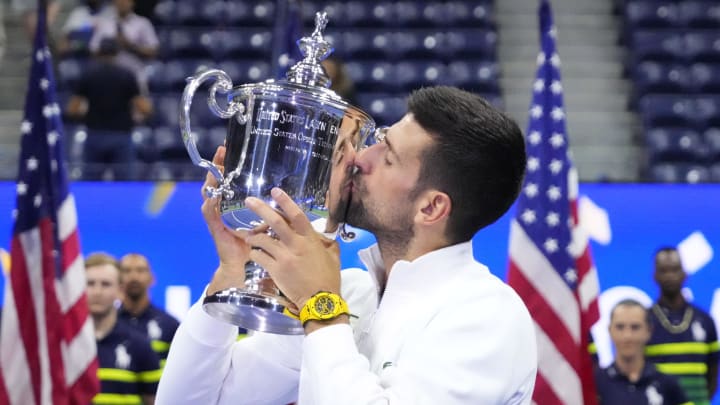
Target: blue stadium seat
[712,142]
[359,14]
[165,13]
[409,14]
[169,144]
[675,145]
[706,77]
[373,75]
[469,14]
[474,43]
[706,112]
[644,14]
[715,172]
[177,71]
[666,111]
[144,144]
[703,46]
[477,76]
[411,75]
[385,108]
[406,43]
[246,71]
[204,13]
[679,173]
[166,110]
[655,77]
[240,13]
[213,137]
[659,46]
[182,43]
[700,14]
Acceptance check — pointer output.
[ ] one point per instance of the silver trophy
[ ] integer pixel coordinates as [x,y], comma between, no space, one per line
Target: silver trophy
[290,134]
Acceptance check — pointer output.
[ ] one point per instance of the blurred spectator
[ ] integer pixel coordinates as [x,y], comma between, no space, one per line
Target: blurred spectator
[342,84]
[135,35]
[138,311]
[27,11]
[130,370]
[107,98]
[684,341]
[79,27]
[631,379]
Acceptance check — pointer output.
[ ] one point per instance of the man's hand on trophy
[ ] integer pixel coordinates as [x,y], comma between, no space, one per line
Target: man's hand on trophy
[232,250]
[300,260]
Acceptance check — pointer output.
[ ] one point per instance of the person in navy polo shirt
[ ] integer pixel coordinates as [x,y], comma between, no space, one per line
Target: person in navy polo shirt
[129,369]
[631,379]
[138,311]
[684,341]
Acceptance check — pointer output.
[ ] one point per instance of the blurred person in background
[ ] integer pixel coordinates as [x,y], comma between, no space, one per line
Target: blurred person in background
[631,379]
[27,11]
[129,370]
[684,340]
[108,100]
[79,27]
[159,326]
[135,35]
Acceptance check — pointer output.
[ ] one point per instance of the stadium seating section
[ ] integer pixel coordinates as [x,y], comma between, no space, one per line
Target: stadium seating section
[389,47]
[674,63]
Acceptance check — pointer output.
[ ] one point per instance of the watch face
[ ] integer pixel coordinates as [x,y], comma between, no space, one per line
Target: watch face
[324,306]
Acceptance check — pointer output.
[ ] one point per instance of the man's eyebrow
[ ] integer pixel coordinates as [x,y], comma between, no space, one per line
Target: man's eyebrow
[390,146]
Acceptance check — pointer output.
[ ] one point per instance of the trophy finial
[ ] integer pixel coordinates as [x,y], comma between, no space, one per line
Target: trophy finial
[315,49]
[321,20]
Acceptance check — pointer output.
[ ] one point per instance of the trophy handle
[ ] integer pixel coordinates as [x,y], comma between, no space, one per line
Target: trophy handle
[223,84]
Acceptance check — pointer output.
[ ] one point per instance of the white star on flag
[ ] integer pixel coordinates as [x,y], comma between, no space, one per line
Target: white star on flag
[540,58]
[554,193]
[531,190]
[26,127]
[552,219]
[556,166]
[533,163]
[555,60]
[32,163]
[528,216]
[539,85]
[52,137]
[556,87]
[21,188]
[550,245]
[37,201]
[557,114]
[44,83]
[571,275]
[534,137]
[556,140]
[536,111]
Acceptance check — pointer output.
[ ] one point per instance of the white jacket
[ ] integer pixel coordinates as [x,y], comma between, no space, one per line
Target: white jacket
[446,331]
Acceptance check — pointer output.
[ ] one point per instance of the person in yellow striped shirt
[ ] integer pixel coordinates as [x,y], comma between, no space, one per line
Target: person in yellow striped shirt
[129,370]
[684,341]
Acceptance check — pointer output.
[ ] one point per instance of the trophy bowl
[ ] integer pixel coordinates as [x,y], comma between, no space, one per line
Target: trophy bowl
[289,134]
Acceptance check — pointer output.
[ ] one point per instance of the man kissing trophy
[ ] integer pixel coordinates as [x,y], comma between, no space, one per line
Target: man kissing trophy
[295,134]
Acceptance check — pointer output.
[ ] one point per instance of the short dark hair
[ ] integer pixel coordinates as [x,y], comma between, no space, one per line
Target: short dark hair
[629,302]
[477,156]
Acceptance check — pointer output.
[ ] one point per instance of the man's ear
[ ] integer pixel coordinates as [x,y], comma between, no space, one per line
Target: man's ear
[434,206]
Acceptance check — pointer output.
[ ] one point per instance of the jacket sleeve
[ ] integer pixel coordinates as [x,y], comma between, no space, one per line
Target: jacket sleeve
[207,365]
[475,355]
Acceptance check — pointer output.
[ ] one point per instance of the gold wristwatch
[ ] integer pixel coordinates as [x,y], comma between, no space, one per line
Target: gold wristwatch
[323,306]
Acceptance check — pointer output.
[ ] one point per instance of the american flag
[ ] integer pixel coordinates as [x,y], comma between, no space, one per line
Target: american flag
[287,31]
[47,342]
[550,262]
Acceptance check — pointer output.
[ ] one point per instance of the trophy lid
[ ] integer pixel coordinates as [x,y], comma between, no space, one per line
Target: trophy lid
[315,49]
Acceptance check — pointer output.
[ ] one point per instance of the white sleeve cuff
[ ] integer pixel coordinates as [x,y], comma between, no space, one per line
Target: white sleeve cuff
[208,330]
[329,345]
